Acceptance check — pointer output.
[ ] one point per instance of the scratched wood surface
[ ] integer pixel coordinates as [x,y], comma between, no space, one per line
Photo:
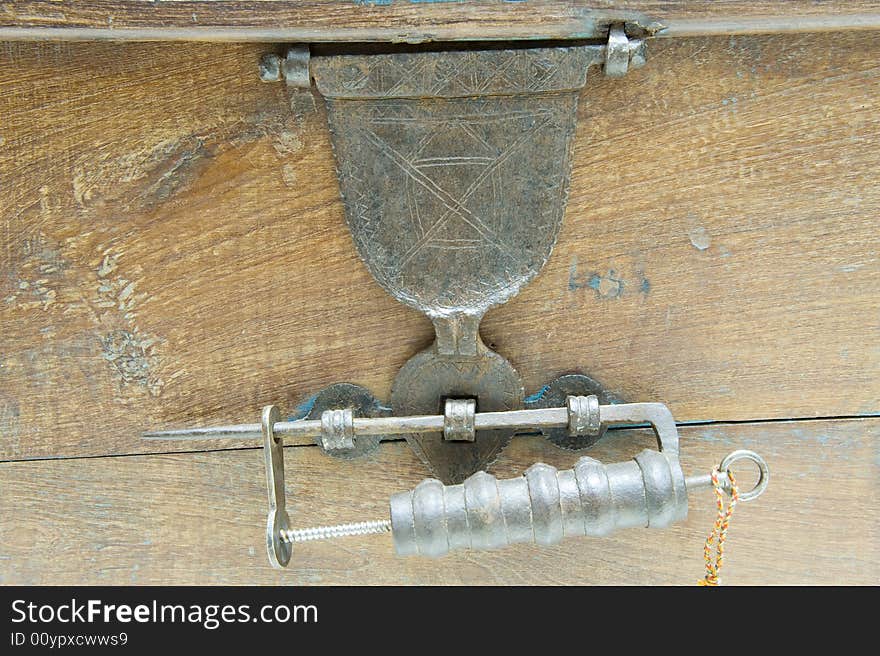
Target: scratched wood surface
[411,20]
[199,518]
[173,252]
[173,248]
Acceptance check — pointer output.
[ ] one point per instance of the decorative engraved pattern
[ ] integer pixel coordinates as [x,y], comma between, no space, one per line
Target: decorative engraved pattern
[454,203]
[452,74]
[454,168]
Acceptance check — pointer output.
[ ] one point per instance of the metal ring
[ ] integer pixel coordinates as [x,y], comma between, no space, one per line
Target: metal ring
[763,469]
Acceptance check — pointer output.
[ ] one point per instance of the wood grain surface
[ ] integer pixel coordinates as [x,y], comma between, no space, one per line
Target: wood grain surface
[414,21]
[200,518]
[173,248]
[173,252]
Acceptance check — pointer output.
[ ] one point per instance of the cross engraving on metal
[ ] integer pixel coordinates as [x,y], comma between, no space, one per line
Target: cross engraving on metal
[454,169]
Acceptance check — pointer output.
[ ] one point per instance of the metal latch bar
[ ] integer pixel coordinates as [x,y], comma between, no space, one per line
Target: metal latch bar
[576,414]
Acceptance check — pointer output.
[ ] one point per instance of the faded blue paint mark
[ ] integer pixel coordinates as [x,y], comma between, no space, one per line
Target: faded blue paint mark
[849,268]
[534,398]
[303,408]
[607,286]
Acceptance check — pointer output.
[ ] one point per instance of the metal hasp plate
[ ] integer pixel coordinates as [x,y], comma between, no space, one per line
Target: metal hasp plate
[454,168]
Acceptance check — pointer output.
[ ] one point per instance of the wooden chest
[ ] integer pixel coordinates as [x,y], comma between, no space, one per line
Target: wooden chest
[173,250]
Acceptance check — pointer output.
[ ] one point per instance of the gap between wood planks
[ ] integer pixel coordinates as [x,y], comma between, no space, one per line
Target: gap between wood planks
[681,424]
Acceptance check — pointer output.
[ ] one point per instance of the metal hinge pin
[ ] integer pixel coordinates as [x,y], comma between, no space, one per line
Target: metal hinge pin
[620,54]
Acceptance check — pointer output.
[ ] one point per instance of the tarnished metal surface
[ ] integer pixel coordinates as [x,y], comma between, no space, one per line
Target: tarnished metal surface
[458,420]
[278,520]
[583,415]
[337,430]
[293,69]
[556,393]
[360,403]
[454,168]
[545,505]
[623,53]
[270,67]
[428,378]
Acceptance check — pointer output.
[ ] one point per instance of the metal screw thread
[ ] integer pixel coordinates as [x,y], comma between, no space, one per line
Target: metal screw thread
[337,531]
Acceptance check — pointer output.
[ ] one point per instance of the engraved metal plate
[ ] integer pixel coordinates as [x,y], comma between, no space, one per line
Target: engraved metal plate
[454,169]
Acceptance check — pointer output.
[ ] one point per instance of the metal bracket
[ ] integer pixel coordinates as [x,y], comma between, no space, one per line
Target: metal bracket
[454,169]
[617,56]
[544,505]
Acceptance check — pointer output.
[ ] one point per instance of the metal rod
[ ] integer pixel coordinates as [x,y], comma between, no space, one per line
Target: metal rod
[311,428]
[698,481]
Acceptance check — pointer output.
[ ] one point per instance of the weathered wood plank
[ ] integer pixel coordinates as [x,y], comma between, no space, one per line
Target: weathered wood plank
[409,20]
[199,518]
[173,248]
